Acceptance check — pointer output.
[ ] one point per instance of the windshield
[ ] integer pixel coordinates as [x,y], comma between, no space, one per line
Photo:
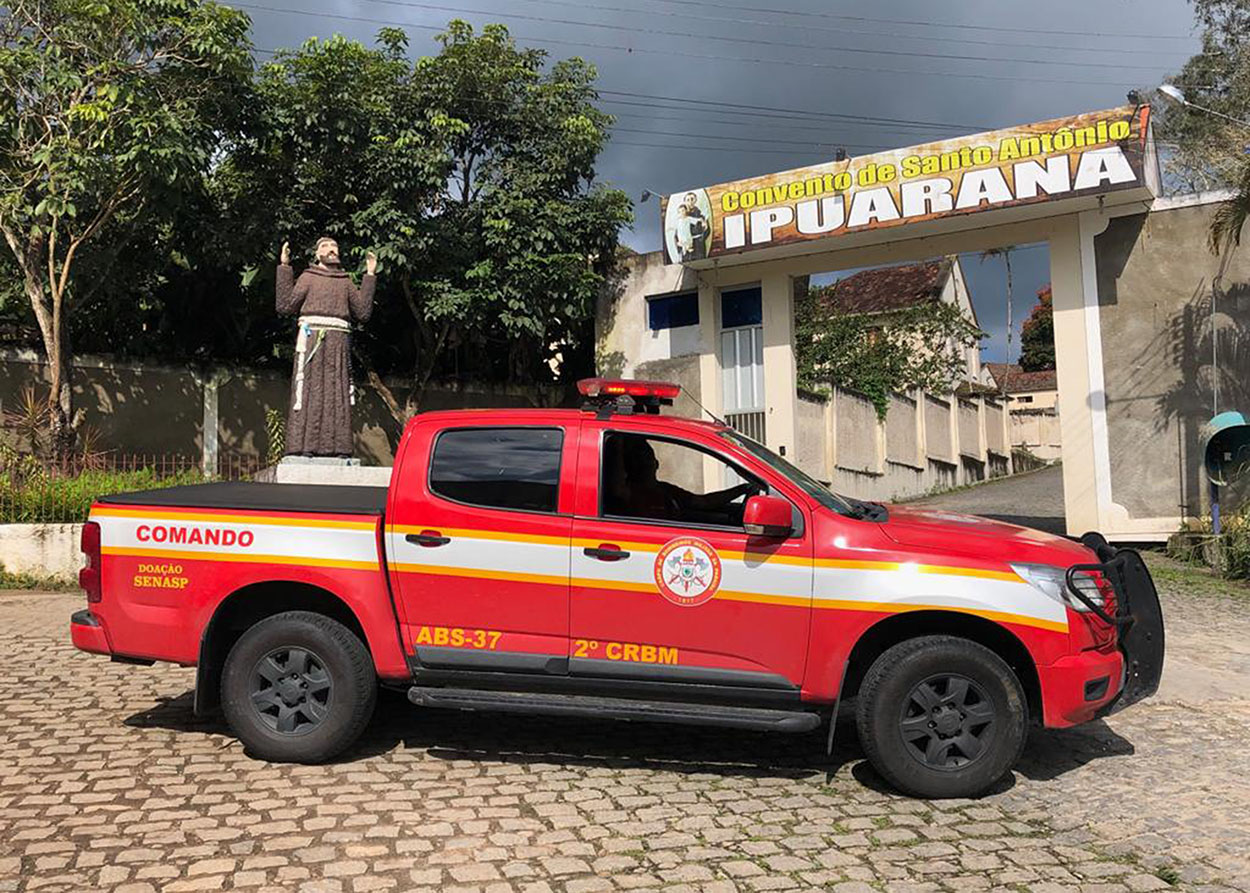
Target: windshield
[797,476]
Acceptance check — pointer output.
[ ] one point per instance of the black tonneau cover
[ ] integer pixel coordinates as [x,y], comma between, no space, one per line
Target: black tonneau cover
[264,497]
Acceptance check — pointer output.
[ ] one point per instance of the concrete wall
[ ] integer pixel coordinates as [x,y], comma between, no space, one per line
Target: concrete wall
[41,550]
[1037,430]
[811,448]
[146,408]
[886,460]
[996,431]
[969,429]
[937,419]
[623,339]
[679,370]
[902,432]
[857,435]
[1156,284]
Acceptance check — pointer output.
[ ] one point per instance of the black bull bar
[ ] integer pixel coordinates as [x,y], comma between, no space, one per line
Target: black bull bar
[1138,617]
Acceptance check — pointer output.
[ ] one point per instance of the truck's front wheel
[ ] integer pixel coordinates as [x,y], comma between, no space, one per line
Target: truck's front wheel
[941,716]
[298,687]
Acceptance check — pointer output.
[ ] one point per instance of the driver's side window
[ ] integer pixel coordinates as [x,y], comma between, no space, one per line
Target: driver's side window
[655,479]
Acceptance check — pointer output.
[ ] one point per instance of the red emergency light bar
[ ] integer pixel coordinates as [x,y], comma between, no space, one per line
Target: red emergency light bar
[616,387]
[648,396]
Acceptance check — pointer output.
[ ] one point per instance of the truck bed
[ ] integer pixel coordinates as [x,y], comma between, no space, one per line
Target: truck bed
[327,498]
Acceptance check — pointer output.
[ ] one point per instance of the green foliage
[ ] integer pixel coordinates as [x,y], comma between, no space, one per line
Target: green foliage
[1228,554]
[106,110]
[920,346]
[275,435]
[48,497]
[179,171]
[1037,335]
[1207,149]
[470,173]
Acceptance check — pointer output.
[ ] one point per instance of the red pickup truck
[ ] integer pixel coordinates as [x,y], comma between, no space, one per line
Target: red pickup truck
[613,562]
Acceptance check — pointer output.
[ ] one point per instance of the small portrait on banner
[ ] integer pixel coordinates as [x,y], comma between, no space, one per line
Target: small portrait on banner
[688,226]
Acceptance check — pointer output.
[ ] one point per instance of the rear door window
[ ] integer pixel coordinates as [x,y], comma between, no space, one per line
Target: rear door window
[516,469]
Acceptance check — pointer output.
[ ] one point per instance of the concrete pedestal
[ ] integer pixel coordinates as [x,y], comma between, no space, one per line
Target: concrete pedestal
[325,470]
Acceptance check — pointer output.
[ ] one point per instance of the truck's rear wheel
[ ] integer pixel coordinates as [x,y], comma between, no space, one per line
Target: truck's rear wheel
[298,687]
[940,716]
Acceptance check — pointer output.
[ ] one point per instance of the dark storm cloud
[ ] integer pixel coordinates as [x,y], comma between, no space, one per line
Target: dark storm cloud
[667,146]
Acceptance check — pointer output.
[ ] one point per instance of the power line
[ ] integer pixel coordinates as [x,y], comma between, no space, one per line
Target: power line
[686,117]
[713,148]
[745,139]
[802,112]
[755,111]
[749,111]
[706,56]
[808,26]
[1002,29]
[788,45]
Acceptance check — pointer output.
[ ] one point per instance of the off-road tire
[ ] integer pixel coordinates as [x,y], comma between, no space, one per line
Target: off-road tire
[931,665]
[341,669]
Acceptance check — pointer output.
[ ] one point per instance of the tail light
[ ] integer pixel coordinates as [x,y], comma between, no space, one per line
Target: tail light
[89,576]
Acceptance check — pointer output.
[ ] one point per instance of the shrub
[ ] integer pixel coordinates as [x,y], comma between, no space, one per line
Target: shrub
[41,495]
[1228,554]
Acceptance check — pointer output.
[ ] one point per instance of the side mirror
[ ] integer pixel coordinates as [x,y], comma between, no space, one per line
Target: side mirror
[768,516]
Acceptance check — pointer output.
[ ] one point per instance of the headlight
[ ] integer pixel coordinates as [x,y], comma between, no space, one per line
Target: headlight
[1052,582]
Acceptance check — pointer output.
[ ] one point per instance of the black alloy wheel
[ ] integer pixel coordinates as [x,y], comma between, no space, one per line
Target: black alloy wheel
[947,722]
[298,687]
[941,716]
[292,690]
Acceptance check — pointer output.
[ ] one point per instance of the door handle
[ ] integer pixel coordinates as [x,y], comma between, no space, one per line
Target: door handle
[428,538]
[605,552]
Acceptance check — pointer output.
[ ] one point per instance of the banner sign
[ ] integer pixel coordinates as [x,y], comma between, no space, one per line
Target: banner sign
[1087,154]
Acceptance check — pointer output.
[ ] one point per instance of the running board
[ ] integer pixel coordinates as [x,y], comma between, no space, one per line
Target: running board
[760,719]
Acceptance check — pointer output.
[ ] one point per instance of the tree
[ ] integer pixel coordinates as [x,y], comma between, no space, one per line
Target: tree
[470,173]
[921,346]
[526,234]
[1206,149]
[1037,335]
[106,110]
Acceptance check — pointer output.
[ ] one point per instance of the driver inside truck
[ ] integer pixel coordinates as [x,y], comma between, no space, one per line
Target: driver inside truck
[633,488]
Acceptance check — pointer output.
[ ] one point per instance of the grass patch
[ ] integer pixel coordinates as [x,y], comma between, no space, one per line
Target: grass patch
[1192,579]
[10,580]
[1168,875]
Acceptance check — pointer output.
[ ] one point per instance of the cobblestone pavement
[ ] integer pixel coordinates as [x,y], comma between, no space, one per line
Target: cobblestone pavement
[1034,499]
[107,781]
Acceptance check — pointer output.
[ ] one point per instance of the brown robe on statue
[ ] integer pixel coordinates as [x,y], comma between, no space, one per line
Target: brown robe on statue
[322,426]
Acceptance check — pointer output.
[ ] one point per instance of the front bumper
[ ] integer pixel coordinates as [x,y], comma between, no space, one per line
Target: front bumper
[1138,618]
[87,633]
[1077,687]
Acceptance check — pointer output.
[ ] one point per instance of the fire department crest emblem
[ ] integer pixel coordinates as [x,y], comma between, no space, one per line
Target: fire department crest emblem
[687,571]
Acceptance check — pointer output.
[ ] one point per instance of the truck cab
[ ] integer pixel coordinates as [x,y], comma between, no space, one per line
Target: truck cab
[616,562]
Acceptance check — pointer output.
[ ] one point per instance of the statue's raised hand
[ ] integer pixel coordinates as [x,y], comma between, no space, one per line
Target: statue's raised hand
[371,263]
[285,257]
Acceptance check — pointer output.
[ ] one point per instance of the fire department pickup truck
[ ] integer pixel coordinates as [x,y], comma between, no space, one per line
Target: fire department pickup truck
[613,562]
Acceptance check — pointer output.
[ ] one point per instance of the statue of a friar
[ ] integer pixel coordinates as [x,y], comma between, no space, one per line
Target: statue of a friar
[319,422]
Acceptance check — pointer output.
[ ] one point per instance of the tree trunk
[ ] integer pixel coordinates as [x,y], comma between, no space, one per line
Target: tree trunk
[51,331]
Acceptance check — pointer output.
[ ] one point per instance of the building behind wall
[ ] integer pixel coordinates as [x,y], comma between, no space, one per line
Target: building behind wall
[654,324]
[1033,401]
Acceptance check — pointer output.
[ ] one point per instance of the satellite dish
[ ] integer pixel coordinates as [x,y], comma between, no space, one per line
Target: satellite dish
[1226,448]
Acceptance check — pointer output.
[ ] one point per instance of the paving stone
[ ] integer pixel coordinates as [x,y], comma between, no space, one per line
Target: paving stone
[115,784]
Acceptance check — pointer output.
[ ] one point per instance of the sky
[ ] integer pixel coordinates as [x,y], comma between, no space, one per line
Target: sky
[707,92]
